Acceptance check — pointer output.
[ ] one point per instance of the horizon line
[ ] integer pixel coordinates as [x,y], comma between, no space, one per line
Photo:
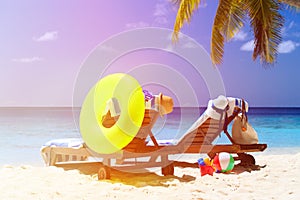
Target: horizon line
[77,107]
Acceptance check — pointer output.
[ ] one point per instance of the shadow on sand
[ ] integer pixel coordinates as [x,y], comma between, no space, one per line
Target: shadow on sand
[241,168]
[145,177]
[141,178]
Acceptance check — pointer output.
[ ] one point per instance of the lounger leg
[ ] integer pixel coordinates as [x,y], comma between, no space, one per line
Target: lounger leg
[104,169]
[168,170]
[167,166]
[211,154]
[53,157]
[103,172]
[153,158]
[107,161]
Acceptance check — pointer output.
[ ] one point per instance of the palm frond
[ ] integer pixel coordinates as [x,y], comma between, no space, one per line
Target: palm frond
[228,21]
[235,19]
[217,37]
[266,22]
[184,14]
[292,3]
[177,2]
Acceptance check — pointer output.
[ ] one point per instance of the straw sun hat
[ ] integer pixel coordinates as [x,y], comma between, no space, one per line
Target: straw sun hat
[165,104]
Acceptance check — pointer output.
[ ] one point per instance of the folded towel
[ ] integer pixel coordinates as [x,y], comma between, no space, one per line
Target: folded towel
[65,142]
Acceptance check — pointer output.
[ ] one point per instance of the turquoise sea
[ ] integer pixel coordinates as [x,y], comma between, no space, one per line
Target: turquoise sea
[24,130]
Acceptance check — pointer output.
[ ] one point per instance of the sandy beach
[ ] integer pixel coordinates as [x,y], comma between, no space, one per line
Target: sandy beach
[274,177]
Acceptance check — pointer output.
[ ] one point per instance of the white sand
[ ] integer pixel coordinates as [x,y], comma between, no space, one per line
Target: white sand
[280,179]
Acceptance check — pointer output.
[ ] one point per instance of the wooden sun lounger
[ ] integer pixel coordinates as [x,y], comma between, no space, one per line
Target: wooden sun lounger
[137,154]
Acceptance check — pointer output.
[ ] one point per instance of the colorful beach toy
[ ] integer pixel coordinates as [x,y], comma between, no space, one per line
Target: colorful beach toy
[223,162]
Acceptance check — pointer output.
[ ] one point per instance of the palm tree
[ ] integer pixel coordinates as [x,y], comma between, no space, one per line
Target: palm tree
[265,20]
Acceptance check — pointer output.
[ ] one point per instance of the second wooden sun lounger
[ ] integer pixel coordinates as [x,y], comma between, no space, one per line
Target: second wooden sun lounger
[139,153]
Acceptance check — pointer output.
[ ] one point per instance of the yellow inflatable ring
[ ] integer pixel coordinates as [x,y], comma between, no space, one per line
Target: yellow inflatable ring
[130,97]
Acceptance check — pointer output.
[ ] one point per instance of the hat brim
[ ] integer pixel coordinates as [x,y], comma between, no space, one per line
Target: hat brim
[160,96]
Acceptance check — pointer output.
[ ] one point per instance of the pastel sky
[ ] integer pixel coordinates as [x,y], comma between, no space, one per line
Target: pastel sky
[44,43]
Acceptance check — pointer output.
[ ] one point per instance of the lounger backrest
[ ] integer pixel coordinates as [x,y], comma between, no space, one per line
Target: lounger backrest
[139,141]
[205,134]
[209,126]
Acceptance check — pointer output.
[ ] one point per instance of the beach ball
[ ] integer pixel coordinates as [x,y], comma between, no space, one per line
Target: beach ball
[223,162]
